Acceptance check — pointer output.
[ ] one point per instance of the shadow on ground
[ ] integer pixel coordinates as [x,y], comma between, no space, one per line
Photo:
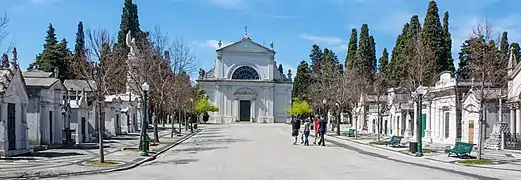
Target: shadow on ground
[54,154]
[124,138]
[209,141]
[87,146]
[174,161]
[193,150]
[208,136]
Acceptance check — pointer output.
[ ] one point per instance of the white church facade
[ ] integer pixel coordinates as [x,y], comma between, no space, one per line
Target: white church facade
[246,85]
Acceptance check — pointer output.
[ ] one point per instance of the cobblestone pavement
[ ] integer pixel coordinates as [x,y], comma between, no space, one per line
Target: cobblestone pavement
[265,152]
[53,162]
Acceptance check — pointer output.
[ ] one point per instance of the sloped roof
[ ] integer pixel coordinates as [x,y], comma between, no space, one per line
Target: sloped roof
[489,94]
[37,74]
[78,84]
[40,82]
[245,39]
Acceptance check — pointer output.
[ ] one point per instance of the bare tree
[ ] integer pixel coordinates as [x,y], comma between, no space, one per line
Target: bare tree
[96,74]
[160,62]
[379,88]
[4,21]
[488,68]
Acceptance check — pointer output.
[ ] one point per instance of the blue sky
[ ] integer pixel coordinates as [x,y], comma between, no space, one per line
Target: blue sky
[293,25]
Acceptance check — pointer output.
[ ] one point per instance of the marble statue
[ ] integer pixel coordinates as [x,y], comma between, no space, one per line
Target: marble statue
[131,43]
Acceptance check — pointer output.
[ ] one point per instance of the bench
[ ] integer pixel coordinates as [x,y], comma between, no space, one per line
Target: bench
[350,133]
[461,149]
[394,141]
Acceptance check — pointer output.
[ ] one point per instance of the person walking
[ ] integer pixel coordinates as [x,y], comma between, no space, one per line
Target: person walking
[307,130]
[315,127]
[322,129]
[295,127]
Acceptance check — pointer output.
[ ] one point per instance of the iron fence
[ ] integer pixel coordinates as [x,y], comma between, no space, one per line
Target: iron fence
[513,141]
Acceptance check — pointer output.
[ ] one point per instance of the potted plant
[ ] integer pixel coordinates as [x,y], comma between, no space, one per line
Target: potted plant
[203,106]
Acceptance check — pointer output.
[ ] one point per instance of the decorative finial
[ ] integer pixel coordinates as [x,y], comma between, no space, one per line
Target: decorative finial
[246,31]
[271,44]
[220,43]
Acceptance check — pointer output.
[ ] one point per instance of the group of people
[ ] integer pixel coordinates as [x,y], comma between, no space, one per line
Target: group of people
[319,125]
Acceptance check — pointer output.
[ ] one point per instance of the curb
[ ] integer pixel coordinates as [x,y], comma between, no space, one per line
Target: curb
[488,166]
[153,157]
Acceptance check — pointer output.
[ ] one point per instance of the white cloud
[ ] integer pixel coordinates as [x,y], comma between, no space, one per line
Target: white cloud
[211,43]
[334,43]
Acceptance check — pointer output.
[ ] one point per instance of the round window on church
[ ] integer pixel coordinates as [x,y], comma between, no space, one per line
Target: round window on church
[245,72]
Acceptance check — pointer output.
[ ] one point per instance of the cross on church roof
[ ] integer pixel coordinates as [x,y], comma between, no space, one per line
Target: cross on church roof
[246,30]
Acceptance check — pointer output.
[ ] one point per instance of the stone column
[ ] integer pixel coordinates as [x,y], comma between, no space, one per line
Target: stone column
[518,119]
[253,110]
[512,123]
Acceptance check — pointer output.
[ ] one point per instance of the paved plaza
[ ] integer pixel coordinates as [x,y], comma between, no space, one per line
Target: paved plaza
[265,152]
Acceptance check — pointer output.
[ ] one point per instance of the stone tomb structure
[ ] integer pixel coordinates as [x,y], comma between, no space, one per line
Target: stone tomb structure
[246,85]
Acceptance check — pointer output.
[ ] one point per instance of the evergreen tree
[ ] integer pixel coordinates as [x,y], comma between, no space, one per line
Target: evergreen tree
[65,55]
[431,36]
[516,50]
[464,60]
[5,61]
[54,54]
[447,42]
[351,60]
[15,56]
[129,22]
[504,46]
[79,57]
[398,57]
[383,61]
[281,69]
[302,82]
[316,58]
[364,54]
[372,55]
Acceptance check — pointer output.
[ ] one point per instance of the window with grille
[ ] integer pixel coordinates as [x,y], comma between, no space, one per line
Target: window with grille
[246,73]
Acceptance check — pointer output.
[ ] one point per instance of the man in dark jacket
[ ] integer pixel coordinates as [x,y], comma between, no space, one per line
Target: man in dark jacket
[322,129]
[295,126]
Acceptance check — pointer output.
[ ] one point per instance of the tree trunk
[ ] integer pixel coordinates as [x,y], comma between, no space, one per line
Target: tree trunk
[378,124]
[480,133]
[156,132]
[179,121]
[101,130]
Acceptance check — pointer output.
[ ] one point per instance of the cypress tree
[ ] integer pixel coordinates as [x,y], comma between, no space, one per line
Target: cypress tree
[129,22]
[79,57]
[431,36]
[383,61]
[516,51]
[464,60]
[447,42]
[65,55]
[302,81]
[372,54]
[504,46]
[15,56]
[351,60]
[280,69]
[316,58]
[398,57]
[364,52]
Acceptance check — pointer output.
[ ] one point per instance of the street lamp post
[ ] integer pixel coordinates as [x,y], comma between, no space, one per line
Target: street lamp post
[144,121]
[338,119]
[191,115]
[324,102]
[420,91]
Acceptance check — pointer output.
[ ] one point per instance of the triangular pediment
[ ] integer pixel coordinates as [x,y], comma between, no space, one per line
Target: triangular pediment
[245,45]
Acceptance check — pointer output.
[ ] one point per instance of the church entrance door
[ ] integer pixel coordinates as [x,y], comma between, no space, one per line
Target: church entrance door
[244,110]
